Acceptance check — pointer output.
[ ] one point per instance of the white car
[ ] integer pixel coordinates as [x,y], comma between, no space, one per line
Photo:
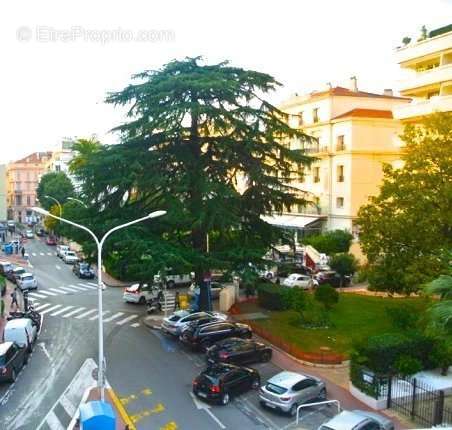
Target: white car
[140,293]
[296,280]
[358,420]
[179,320]
[70,257]
[27,281]
[29,234]
[173,280]
[61,250]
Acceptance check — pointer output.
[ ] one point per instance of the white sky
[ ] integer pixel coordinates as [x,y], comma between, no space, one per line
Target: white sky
[54,89]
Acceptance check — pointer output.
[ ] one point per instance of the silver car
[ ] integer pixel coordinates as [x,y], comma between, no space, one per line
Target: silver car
[179,320]
[27,281]
[287,390]
[358,420]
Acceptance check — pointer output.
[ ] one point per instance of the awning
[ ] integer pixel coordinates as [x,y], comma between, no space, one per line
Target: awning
[291,221]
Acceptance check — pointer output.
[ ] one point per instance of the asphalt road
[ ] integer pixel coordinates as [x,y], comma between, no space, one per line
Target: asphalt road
[151,372]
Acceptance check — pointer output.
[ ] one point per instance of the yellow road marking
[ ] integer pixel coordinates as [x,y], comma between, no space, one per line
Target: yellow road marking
[169,426]
[157,409]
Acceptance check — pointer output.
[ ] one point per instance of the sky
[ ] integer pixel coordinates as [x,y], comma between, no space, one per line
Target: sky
[60,58]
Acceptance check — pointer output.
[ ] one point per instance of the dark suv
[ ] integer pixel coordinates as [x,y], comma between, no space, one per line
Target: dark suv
[204,336]
[220,382]
[332,278]
[83,270]
[12,359]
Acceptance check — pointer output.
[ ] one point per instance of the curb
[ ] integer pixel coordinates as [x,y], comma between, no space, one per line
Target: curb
[153,325]
[120,408]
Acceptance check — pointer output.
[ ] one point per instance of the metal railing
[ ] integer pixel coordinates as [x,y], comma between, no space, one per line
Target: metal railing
[325,402]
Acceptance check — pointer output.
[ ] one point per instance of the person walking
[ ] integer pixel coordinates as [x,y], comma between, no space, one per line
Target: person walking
[23,251]
[176,301]
[14,300]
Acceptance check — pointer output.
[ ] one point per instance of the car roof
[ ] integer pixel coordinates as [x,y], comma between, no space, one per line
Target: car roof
[297,274]
[219,369]
[345,420]
[4,263]
[18,268]
[286,379]
[4,347]
[26,274]
[18,322]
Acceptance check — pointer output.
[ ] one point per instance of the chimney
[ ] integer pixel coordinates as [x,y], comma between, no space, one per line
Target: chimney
[388,92]
[353,84]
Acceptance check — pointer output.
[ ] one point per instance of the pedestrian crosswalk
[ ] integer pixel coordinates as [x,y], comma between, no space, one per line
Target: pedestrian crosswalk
[83,313]
[42,254]
[43,293]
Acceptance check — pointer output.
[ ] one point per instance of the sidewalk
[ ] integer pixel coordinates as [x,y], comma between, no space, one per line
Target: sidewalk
[7,299]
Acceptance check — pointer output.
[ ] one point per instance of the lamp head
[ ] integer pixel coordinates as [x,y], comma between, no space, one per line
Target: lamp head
[156,214]
[40,210]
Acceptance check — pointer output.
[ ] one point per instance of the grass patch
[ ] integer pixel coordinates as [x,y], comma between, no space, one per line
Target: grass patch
[354,317]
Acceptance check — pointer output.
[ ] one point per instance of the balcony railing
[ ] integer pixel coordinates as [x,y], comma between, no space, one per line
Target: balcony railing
[340,178]
[340,147]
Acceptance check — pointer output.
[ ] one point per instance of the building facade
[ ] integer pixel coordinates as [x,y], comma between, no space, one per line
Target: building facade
[355,134]
[22,182]
[3,193]
[426,65]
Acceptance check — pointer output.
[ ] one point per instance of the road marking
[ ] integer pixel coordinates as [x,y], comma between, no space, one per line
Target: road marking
[76,311]
[43,347]
[114,317]
[50,309]
[201,405]
[84,314]
[57,267]
[49,253]
[53,422]
[78,288]
[92,283]
[126,320]
[41,253]
[49,293]
[135,325]
[90,287]
[62,311]
[68,406]
[97,316]
[37,295]
[72,290]
[33,254]
[58,291]
[42,306]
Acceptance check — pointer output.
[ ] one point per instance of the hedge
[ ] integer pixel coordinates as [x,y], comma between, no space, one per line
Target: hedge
[272,297]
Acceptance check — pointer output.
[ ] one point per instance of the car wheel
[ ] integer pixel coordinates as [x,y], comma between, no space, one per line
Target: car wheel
[142,300]
[293,410]
[265,357]
[322,394]
[13,375]
[256,383]
[225,399]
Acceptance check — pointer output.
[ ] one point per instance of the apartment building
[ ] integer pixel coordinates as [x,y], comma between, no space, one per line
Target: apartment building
[62,154]
[355,134]
[3,193]
[22,181]
[426,66]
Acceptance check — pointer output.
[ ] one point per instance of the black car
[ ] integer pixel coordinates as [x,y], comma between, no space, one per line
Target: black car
[238,351]
[83,270]
[204,336]
[15,273]
[219,382]
[332,278]
[207,319]
[40,232]
[12,359]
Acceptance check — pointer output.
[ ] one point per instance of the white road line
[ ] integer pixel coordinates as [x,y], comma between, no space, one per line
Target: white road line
[68,406]
[42,306]
[114,317]
[126,320]
[92,283]
[33,254]
[72,290]
[47,292]
[41,253]
[90,287]
[49,253]
[53,422]
[76,311]
[97,316]
[51,309]
[58,291]
[135,325]
[37,295]
[57,267]
[86,314]
[78,288]
[62,311]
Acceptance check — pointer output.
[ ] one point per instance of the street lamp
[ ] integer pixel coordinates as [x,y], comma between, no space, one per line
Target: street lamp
[57,202]
[100,377]
[78,201]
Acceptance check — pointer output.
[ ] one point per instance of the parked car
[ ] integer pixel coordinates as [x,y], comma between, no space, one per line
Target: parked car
[5,267]
[29,234]
[40,232]
[140,293]
[209,318]
[220,382]
[207,335]
[27,281]
[215,289]
[61,250]
[83,270]
[174,280]
[285,269]
[51,241]
[331,277]
[238,351]
[12,359]
[296,280]
[70,257]
[287,390]
[22,331]
[15,273]
[358,420]
[175,323]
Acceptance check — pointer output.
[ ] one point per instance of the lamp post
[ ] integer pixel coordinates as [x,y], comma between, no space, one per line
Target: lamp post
[100,243]
[78,201]
[56,201]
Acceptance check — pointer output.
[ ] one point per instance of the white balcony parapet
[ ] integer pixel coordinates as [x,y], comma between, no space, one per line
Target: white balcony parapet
[429,77]
[423,107]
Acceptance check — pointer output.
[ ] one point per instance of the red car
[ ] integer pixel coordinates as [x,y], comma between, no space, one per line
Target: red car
[51,241]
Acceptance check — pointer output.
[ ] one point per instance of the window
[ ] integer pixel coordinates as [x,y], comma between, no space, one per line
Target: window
[340,173]
[340,145]
[300,119]
[339,202]
[57,168]
[316,175]
[300,173]
[28,201]
[315,115]
[301,385]
[18,200]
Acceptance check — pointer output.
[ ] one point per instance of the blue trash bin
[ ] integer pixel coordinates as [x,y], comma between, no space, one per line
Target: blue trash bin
[97,415]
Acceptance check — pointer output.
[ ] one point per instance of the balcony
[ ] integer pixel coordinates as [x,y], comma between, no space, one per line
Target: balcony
[428,78]
[340,147]
[423,107]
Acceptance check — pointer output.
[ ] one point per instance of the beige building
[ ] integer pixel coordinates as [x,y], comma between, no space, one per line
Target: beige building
[3,193]
[355,134]
[22,181]
[427,75]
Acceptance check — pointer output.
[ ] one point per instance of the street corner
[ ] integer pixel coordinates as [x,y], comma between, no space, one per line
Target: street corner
[153,322]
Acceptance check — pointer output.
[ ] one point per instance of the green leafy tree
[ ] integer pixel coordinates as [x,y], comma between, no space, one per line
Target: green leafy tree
[56,185]
[83,149]
[331,242]
[406,229]
[327,296]
[204,144]
[344,265]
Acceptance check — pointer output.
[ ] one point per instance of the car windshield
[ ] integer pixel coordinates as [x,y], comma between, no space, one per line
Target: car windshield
[70,254]
[84,266]
[27,278]
[275,388]
[19,271]
[175,318]
[2,360]
[134,287]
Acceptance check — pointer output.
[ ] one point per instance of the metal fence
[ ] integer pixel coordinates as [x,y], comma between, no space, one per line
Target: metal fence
[417,400]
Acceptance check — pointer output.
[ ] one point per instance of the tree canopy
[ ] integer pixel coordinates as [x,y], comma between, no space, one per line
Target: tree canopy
[406,230]
[56,185]
[330,242]
[202,143]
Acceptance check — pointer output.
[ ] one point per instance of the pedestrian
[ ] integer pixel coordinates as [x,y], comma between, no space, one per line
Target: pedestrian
[14,300]
[176,301]
[23,252]
[2,308]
